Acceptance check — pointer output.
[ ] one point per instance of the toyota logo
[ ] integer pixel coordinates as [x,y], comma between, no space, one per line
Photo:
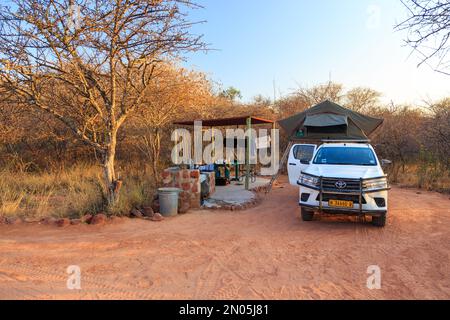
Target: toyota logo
[340,184]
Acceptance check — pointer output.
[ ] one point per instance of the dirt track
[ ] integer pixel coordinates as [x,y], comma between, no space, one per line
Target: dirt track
[264,252]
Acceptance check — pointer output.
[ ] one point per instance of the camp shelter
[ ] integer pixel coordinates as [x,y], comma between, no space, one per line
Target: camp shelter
[329,121]
[247,121]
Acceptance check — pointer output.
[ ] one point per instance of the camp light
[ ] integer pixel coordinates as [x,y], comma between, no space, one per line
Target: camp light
[375,184]
[308,180]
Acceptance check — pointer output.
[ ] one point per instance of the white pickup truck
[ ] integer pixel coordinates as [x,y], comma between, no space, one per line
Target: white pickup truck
[344,177]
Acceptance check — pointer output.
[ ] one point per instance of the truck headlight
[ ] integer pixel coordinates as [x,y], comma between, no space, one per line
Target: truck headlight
[375,184]
[308,180]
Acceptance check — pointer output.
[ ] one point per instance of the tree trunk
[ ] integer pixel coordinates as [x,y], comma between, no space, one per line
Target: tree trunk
[112,184]
[156,149]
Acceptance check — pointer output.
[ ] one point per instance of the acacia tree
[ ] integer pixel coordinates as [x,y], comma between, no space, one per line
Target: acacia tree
[400,139]
[362,99]
[231,93]
[428,26]
[88,63]
[331,91]
[177,94]
[438,131]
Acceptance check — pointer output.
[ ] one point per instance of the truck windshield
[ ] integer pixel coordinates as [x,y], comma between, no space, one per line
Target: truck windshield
[345,156]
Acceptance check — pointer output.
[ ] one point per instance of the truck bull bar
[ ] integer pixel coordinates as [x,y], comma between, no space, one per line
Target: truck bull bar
[359,192]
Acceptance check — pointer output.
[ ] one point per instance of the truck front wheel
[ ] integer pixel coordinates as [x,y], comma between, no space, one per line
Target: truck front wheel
[307,215]
[379,221]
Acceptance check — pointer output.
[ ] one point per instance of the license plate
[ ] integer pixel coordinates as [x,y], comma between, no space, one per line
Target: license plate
[340,203]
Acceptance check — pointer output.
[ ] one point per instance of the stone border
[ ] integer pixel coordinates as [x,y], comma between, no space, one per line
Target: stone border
[88,219]
[243,206]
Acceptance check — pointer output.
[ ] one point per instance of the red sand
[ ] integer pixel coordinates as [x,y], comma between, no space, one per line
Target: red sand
[262,253]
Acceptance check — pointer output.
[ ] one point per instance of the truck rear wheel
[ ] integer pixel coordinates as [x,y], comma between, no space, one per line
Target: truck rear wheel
[307,215]
[379,221]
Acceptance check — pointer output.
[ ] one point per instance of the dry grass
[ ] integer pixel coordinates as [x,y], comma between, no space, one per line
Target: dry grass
[432,177]
[70,193]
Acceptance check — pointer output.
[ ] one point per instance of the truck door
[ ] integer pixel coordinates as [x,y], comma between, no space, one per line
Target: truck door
[299,153]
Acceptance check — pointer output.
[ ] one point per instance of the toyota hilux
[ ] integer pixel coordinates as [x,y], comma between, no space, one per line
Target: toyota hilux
[343,177]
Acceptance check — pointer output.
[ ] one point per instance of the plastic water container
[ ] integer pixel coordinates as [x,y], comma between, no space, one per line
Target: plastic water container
[168,201]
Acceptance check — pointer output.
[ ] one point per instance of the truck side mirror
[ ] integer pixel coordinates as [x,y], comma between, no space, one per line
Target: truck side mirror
[385,162]
[304,161]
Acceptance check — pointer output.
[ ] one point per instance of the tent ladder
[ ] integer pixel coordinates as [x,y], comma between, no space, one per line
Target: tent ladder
[282,163]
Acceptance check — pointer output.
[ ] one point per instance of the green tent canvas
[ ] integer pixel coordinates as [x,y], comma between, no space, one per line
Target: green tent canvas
[328,120]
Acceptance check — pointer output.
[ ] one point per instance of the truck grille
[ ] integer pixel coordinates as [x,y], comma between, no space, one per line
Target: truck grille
[337,184]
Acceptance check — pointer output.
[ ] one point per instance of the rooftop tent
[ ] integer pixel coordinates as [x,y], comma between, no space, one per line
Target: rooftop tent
[328,120]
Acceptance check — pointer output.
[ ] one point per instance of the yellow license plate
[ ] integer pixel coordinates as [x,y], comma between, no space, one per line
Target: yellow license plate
[340,203]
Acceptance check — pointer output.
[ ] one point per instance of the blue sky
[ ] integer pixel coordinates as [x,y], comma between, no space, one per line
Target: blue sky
[304,43]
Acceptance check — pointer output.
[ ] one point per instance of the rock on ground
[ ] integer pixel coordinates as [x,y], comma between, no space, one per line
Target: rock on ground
[136,213]
[157,217]
[99,219]
[13,220]
[75,221]
[63,222]
[87,218]
[148,211]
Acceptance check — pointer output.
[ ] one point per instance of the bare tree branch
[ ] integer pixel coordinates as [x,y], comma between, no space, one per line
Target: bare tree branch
[428,27]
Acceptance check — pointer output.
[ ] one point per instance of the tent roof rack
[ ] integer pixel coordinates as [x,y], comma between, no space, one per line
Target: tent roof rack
[345,140]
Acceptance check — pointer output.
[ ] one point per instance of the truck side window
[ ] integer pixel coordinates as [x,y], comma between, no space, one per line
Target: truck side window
[303,152]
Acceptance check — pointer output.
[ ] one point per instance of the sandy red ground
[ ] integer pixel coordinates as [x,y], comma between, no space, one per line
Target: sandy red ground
[262,253]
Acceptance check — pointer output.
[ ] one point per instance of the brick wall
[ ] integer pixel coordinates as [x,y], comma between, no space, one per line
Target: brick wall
[185,179]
